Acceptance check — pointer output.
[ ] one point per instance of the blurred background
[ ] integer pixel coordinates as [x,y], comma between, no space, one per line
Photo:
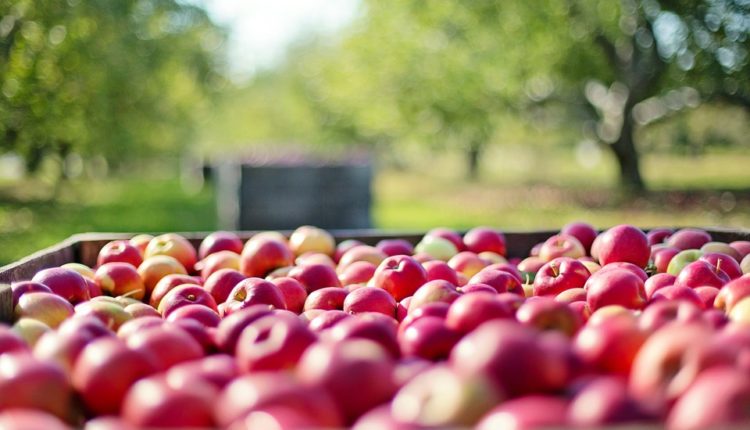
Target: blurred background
[161,115]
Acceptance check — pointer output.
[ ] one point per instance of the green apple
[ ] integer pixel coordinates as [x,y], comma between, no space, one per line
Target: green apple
[436,247]
[682,259]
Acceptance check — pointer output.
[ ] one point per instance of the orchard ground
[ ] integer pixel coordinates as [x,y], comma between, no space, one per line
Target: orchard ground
[518,189]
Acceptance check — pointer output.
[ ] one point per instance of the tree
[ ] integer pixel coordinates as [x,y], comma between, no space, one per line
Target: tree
[118,79]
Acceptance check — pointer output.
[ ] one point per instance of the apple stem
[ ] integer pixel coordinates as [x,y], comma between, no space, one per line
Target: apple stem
[718,265]
[554,269]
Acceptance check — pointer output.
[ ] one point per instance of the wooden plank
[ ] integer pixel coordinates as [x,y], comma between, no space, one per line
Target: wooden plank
[6,303]
[24,269]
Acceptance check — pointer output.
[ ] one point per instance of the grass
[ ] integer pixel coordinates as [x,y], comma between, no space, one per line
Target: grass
[520,189]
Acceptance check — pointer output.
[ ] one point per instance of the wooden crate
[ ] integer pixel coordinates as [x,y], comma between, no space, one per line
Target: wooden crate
[84,248]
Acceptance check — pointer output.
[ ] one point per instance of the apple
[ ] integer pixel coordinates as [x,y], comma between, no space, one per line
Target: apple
[61,348]
[662,257]
[361,253]
[467,262]
[217,261]
[745,265]
[66,283]
[140,310]
[429,338]
[682,259]
[615,287]
[439,397]
[740,311]
[475,288]
[344,368]
[29,383]
[584,232]
[111,313]
[273,343]
[436,247]
[121,251]
[434,309]
[151,342]
[314,258]
[29,419]
[700,273]
[742,247]
[87,325]
[527,412]
[293,292]
[315,276]
[558,275]
[185,295]
[632,268]
[152,403]
[23,287]
[82,269]
[655,282]
[265,390]
[610,345]
[327,319]
[623,243]
[221,283]
[723,262]
[141,241]
[262,256]
[507,267]
[714,400]
[118,279]
[400,276]
[658,235]
[529,267]
[30,330]
[480,239]
[10,341]
[440,270]
[451,235]
[374,327]
[344,246]
[175,246]
[48,308]
[546,313]
[433,291]
[167,284]
[104,372]
[512,356]
[329,298]
[381,417]
[370,299]
[561,245]
[153,269]
[605,400]
[138,324]
[677,293]
[220,241]
[254,291]
[217,370]
[358,272]
[493,257]
[201,313]
[581,308]
[663,312]
[721,248]
[501,281]
[610,311]
[732,292]
[572,295]
[308,238]
[707,295]
[689,238]
[231,326]
[391,247]
[658,374]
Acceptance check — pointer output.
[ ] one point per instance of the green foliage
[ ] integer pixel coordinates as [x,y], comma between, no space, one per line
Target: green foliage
[117,79]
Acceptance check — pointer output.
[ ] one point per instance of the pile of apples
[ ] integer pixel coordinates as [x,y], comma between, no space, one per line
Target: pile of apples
[298,332]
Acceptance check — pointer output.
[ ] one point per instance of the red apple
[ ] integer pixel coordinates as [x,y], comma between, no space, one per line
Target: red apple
[30,419]
[400,276]
[434,309]
[437,269]
[120,251]
[558,275]
[723,262]
[689,238]
[153,269]
[561,245]
[366,253]
[119,279]
[526,413]
[584,232]
[104,372]
[327,319]
[221,283]
[662,257]
[675,293]
[274,343]
[175,246]
[10,341]
[476,288]
[467,262]
[375,327]
[293,291]
[615,287]
[201,313]
[23,287]
[658,235]
[262,256]
[254,291]
[699,274]
[217,261]
[167,284]
[152,342]
[630,267]
[624,243]
[572,295]
[48,308]
[663,312]
[451,235]
[480,239]
[511,356]
[606,401]
[328,298]
[742,247]
[660,280]
[433,291]
[381,417]
[308,238]
[219,241]
[529,266]
[509,268]
[217,370]
[358,272]
[111,313]
[707,295]
[370,299]
[153,403]
[29,383]
[342,369]
[731,293]
[610,345]
[66,283]
[501,281]
[139,324]
[315,276]
[546,313]
[391,247]
[185,295]
[429,338]
[89,326]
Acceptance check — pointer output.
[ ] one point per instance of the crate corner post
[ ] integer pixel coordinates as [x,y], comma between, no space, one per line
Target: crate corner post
[6,303]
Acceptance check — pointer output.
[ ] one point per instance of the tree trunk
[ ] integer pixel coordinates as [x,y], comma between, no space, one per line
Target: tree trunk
[627,154]
[472,157]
